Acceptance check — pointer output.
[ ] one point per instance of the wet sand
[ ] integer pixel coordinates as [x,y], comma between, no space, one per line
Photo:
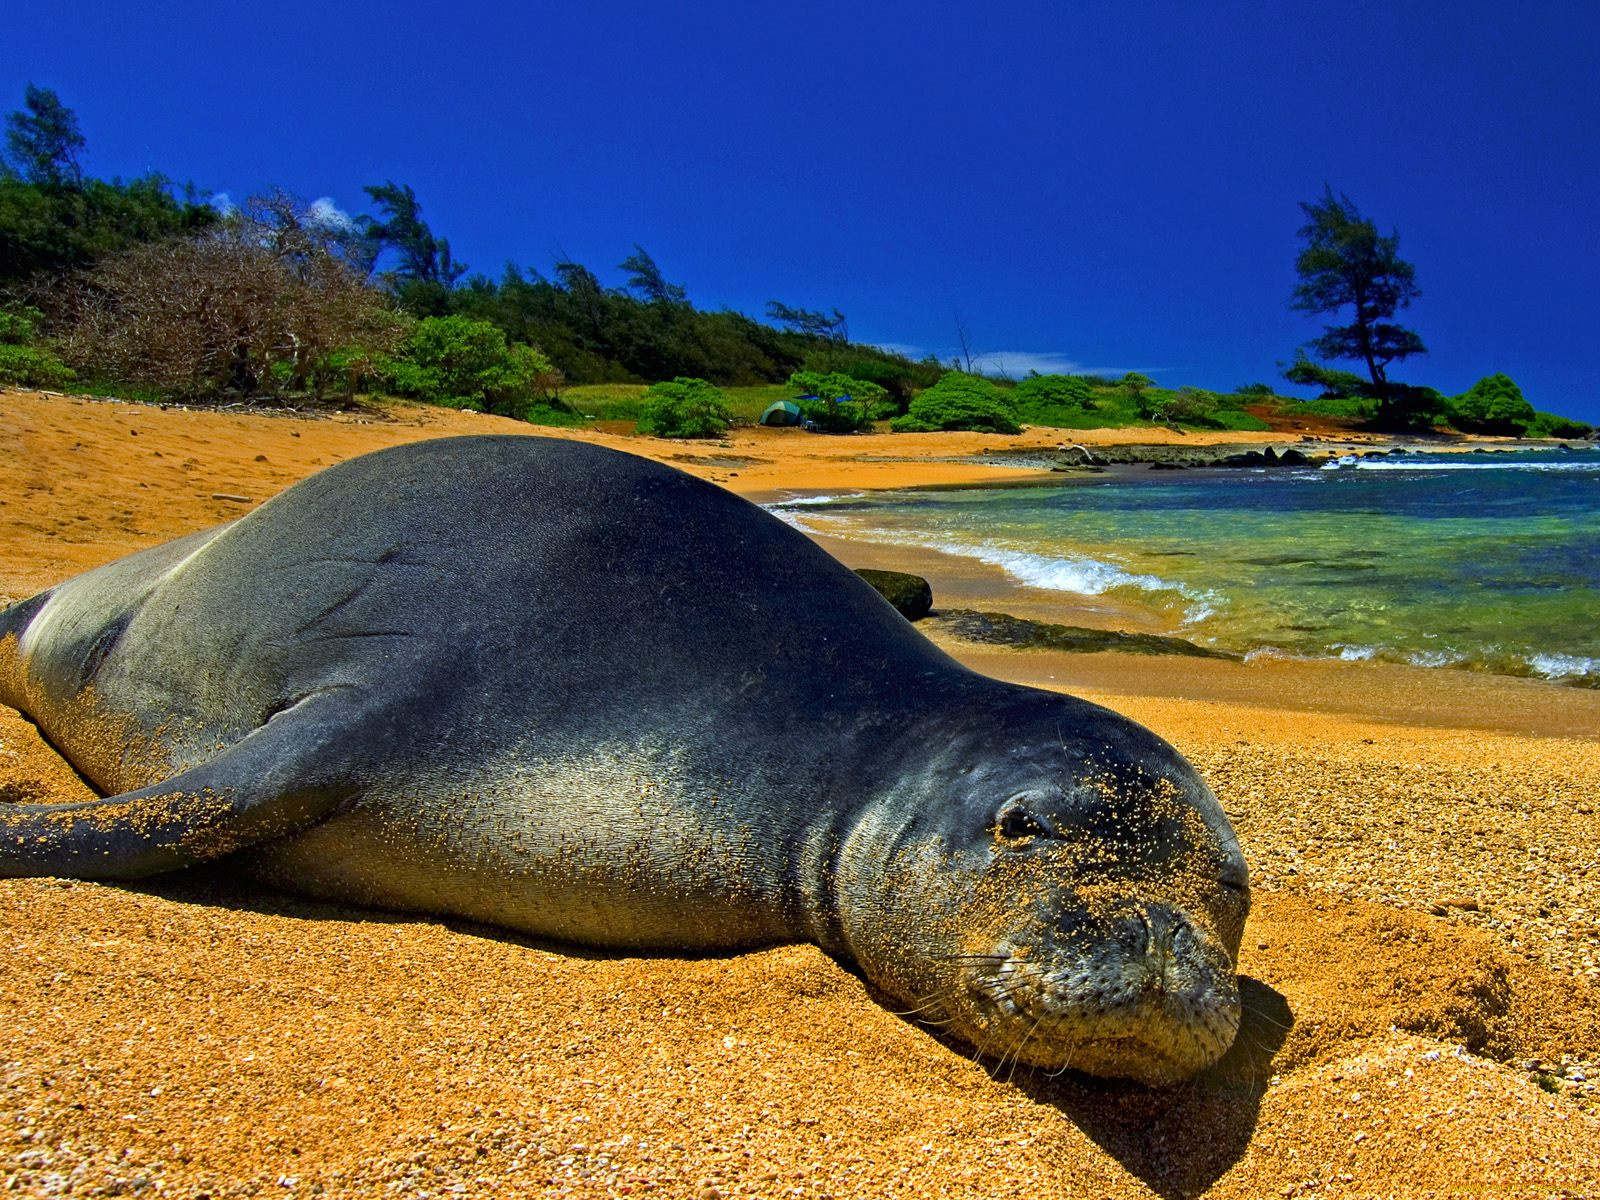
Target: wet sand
[1421,967]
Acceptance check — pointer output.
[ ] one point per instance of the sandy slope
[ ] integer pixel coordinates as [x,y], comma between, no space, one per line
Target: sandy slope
[1424,845]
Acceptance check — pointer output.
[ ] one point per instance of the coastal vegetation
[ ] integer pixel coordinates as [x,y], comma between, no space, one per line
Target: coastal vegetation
[1344,263]
[459,362]
[960,401]
[140,288]
[686,408]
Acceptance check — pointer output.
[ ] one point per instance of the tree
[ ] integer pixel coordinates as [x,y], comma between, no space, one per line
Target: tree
[298,233]
[1135,385]
[46,230]
[810,322]
[645,278]
[43,140]
[1187,405]
[1344,263]
[1335,384]
[232,311]
[424,259]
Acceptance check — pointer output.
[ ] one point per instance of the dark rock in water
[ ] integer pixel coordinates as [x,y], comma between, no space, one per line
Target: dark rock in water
[1250,458]
[910,594]
[1002,629]
[1164,456]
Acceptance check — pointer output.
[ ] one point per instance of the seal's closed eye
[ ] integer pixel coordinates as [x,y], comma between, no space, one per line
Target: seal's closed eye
[1015,822]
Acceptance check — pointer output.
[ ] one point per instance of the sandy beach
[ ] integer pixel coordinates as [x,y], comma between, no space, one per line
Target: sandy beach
[1421,969]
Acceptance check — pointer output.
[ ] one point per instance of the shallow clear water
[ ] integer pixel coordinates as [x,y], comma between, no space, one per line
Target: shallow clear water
[1484,560]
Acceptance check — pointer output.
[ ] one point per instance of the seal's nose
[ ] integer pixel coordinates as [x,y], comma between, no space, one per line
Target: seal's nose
[1159,935]
[1158,940]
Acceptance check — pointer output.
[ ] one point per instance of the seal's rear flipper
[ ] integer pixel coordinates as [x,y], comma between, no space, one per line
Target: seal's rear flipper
[281,778]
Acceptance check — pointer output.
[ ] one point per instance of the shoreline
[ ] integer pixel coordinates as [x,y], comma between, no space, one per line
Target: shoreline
[1421,969]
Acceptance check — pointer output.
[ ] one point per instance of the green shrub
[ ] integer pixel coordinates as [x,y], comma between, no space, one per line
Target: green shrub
[1235,420]
[684,408]
[459,362]
[835,385]
[959,401]
[843,403]
[835,416]
[1261,390]
[1187,405]
[1410,406]
[1134,384]
[25,360]
[1492,405]
[34,367]
[1054,400]
[1548,425]
[1357,407]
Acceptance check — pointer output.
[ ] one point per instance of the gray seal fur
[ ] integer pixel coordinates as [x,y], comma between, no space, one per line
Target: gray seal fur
[569,691]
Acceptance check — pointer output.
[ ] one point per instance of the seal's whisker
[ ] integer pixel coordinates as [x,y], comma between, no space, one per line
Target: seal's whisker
[1261,1015]
[1016,1054]
[1065,1066]
[934,1002]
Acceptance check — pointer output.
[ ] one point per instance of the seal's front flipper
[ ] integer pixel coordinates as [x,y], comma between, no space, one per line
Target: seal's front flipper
[284,776]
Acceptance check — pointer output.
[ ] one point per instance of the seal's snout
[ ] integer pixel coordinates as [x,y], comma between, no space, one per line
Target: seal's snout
[1151,998]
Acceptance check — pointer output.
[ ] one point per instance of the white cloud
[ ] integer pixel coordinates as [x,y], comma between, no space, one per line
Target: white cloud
[324,212]
[1014,364]
[223,203]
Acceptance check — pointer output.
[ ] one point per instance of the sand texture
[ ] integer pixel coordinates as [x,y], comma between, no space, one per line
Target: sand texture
[1421,969]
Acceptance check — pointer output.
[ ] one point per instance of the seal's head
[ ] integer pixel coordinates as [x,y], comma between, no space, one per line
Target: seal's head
[1074,900]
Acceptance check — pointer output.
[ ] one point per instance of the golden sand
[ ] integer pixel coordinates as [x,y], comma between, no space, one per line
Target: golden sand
[1420,969]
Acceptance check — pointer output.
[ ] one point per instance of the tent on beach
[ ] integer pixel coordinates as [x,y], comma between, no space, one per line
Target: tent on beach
[782,412]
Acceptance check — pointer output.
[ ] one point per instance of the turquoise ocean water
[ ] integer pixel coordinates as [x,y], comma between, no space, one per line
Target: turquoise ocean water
[1485,560]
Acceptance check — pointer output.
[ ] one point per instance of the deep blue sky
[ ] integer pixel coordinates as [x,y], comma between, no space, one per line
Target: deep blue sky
[1104,186]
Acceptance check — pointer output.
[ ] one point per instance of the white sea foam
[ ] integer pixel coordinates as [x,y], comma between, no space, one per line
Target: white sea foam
[1355,653]
[789,511]
[1391,464]
[1563,666]
[1435,658]
[809,501]
[1079,574]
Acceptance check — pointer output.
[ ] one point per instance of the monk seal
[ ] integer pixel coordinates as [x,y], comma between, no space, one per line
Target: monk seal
[565,690]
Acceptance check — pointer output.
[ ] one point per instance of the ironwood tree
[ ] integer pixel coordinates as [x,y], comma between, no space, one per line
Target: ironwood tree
[43,140]
[1345,263]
